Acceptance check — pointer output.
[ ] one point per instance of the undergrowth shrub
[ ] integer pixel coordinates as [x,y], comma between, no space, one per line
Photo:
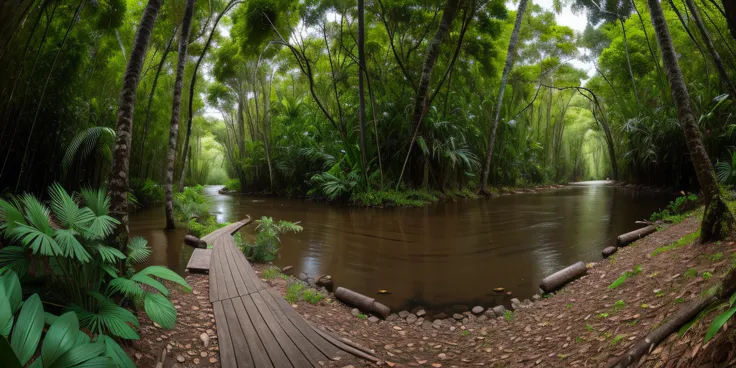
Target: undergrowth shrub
[267,242]
[676,210]
[147,192]
[233,185]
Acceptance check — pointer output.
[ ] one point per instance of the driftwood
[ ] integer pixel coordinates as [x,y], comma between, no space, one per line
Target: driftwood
[609,251]
[648,343]
[562,277]
[194,241]
[362,302]
[627,238]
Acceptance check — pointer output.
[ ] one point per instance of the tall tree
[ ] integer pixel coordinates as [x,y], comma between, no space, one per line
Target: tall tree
[361,94]
[120,167]
[175,112]
[718,220]
[502,88]
[725,79]
[421,100]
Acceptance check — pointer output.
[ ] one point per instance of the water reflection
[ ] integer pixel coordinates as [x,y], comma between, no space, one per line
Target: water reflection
[444,254]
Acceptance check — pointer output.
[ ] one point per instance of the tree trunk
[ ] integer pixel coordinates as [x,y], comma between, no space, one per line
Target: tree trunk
[120,167]
[717,219]
[150,99]
[729,8]
[267,129]
[194,81]
[175,112]
[430,59]
[361,94]
[499,99]
[725,79]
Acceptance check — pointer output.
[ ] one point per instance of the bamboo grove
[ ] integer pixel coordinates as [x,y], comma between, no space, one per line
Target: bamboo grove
[354,101]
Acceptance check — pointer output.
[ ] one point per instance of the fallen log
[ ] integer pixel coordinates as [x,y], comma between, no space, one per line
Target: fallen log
[630,237]
[194,241]
[560,278]
[647,344]
[609,251]
[362,302]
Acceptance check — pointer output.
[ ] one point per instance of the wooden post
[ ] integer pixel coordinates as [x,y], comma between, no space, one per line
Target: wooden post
[558,279]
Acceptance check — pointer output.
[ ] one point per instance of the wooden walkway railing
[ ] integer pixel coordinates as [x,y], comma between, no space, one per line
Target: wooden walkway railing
[256,327]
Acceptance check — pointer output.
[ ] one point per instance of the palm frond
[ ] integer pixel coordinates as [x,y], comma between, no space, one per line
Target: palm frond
[109,255]
[10,216]
[15,259]
[160,310]
[66,210]
[83,144]
[70,246]
[138,250]
[38,241]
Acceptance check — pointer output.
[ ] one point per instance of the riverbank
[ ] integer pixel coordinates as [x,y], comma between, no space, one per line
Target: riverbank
[588,323]
[409,197]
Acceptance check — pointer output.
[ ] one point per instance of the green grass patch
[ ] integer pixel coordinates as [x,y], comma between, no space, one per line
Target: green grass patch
[625,276]
[690,273]
[271,273]
[294,291]
[362,316]
[312,296]
[508,315]
[617,340]
[618,306]
[685,240]
[706,275]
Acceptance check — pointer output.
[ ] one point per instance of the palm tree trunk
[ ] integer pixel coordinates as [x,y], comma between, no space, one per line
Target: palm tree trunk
[361,93]
[499,99]
[430,59]
[120,167]
[175,112]
[717,218]
[725,79]
[193,83]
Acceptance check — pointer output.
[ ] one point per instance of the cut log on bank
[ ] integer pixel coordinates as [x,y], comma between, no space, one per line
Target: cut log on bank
[609,251]
[635,235]
[362,302]
[194,241]
[558,279]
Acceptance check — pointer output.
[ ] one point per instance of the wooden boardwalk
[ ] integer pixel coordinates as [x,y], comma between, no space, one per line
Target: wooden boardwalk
[256,327]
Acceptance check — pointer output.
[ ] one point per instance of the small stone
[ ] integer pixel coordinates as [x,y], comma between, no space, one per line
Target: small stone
[411,318]
[138,356]
[477,310]
[397,328]
[499,289]
[373,319]
[458,316]
[442,356]
[192,352]
[421,313]
[536,297]
[392,317]
[499,310]
[205,339]
[403,314]
[156,325]
[203,354]
[303,276]
[515,301]
[355,312]
[196,360]
[527,303]
[180,359]
[489,313]
[213,360]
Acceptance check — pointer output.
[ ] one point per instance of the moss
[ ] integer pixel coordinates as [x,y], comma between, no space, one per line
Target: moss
[718,220]
[685,240]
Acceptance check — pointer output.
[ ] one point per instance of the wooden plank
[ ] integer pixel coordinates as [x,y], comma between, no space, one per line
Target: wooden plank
[323,345]
[257,350]
[346,347]
[200,260]
[230,256]
[213,281]
[240,262]
[307,348]
[230,289]
[240,345]
[296,357]
[274,350]
[227,353]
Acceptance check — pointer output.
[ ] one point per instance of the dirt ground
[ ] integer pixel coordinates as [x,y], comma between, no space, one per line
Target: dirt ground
[586,324]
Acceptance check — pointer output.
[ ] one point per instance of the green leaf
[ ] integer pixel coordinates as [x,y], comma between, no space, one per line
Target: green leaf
[166,274]
[114,351]
[39,241]
[12,290]
[102,226]
[127,287]
[98,362]
[150,281]
[110,270]
[138,250]
[28,328]
[732,300]
[8,356]
[423,145]
[66,210]
[70,246]
[14,259]
[49,318]
[11,216]
[160,310]
[79,354]
[718,322]
[60,337]
[6,316]
[109,255]
[37,214]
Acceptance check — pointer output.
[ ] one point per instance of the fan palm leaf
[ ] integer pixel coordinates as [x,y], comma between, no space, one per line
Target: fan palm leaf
[83,144]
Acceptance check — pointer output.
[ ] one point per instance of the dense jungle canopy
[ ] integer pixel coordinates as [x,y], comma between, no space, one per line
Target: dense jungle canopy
[273,98]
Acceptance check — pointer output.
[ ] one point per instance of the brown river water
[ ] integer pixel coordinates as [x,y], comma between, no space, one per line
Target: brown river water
[452,253]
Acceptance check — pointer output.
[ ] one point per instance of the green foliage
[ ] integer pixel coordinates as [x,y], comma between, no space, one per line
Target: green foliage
[271,272]
[22,326]
[508,315]
[268,239]
[617,339]
[77,248]
[618,306]
[676,209]
[147,192]
[690,273]
[190,203]
[625,276]
[202,226]
[233,185]
[685,240]
[406,198]
[312,296]
[294,290]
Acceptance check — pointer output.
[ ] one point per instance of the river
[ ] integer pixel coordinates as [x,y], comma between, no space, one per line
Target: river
[448,253]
